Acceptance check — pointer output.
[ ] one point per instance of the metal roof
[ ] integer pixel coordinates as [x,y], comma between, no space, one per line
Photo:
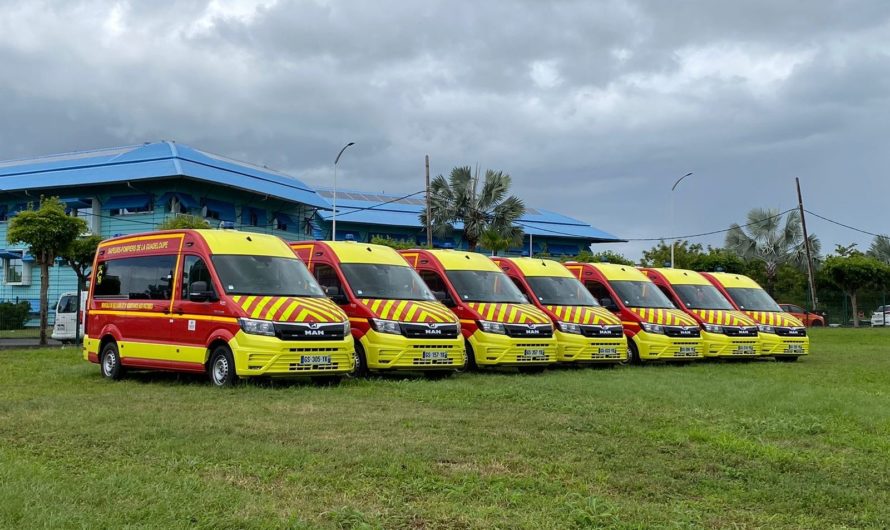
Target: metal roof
[152,161]
[403,210]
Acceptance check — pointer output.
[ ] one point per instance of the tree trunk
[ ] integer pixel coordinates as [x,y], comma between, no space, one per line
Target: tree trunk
[855,309]
[44,302]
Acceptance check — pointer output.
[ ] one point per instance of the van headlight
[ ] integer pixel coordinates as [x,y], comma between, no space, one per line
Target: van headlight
[257,327]
[653,328]
[763,328]
[568,327]
[386,326]
[492,327]
[712,328]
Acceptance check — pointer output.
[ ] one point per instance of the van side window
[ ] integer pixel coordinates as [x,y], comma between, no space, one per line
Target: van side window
[670,296]
[433,281]
[327,278]
[142,278]
[194,270]
[522,288]
[598,291]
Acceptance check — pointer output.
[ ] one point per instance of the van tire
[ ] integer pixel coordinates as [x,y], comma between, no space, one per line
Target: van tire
[633,354]
[361,361]
[110,362]
[221,368]
[470,365]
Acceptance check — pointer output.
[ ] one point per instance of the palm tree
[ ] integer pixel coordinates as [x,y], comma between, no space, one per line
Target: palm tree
[880,249]
[458,199]
[767,238]
[496,241]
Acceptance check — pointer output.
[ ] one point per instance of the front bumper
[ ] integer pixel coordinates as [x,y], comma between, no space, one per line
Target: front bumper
[576,348]
[260,355]
[492,349]
[656,347]
[777,346]
[720,345]
[387,351]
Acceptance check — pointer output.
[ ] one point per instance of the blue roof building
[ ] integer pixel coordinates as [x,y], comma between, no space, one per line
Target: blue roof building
[132,189]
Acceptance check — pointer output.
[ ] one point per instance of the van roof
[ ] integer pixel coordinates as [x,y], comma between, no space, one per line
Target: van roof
[682,276]
[352,252]
[540,267]
[730,280]
[615,271]
[462,260]
[218,241]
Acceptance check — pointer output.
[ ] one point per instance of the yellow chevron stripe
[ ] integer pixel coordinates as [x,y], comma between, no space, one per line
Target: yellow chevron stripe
[259,307]
[290,309]
[275,307]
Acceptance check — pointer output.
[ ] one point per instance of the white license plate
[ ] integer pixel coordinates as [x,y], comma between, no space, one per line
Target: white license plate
[687,350]
[794,348]
[315,359]
[744,350]
[608,351]
[536,354]
[435,355]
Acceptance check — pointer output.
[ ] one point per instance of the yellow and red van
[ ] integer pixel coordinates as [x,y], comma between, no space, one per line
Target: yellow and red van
[726,331]
[500,326]
[781,335]
[585,331]
[656,330]
[397,322]
[229,304]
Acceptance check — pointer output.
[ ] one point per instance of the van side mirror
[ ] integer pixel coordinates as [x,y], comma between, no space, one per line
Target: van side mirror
[609,304]
[201,292]
[443,297]
[333,292]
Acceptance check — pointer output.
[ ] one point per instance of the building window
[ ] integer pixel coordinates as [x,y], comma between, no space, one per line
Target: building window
[15,272]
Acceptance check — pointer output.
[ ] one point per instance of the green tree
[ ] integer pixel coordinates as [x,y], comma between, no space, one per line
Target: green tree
[769,239]
[495,241]
[80,254]
[853,273]
[685,255]
[398,244]
[47,231]
[182,222]
[880,249]
[604,256]
[718,259]
[459,199]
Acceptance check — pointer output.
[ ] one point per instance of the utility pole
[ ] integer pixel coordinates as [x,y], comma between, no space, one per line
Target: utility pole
[429,210]
[806,242]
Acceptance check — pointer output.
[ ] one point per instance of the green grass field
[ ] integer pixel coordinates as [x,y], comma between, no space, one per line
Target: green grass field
[743,445]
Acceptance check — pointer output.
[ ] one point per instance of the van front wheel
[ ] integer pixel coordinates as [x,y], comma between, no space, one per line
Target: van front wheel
[222,367]
[111,362]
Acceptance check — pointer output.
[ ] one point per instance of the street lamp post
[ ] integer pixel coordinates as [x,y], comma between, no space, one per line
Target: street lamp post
[673,215]
[334,222]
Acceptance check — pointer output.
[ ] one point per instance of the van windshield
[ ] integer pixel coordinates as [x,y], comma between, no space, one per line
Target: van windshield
[265,275]
[701,297]
[551,290]
[485,286]
[371,280]
[635,293]
[753,299]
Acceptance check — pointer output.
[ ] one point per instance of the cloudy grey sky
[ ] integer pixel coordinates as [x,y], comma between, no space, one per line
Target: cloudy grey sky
[594,107]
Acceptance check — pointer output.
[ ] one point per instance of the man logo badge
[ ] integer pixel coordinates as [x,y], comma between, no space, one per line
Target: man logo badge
[313,330]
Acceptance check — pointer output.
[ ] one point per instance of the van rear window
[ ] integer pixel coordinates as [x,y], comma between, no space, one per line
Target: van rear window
[142,278]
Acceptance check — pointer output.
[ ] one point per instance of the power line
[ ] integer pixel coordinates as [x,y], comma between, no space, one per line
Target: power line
[843,225]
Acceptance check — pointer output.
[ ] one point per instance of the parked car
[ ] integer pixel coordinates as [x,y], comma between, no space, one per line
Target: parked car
[809,318]
[881,316]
